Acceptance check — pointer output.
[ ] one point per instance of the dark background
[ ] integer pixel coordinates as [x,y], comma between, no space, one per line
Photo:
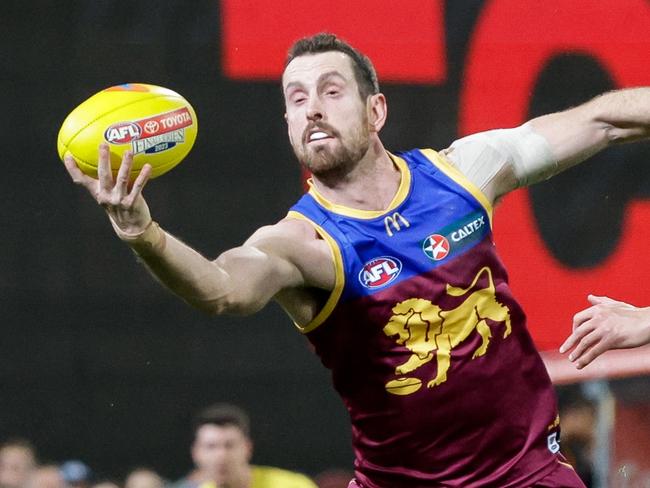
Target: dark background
[99,362]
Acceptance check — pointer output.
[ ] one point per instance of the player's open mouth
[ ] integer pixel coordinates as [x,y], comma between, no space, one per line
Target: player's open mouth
[318,136]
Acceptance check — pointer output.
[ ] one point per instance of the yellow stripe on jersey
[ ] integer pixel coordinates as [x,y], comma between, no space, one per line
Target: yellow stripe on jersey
[566,464]
[400,196]
[450,170]
[339,276]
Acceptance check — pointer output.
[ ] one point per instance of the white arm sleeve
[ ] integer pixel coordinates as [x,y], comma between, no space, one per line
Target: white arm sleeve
[498,161]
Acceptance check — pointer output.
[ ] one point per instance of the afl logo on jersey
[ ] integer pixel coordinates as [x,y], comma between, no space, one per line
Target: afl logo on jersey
[379,272]
[436,247]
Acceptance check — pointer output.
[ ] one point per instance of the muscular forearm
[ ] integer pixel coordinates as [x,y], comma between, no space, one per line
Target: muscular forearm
[188,274]
[578,133]
[625,112]
[240,281]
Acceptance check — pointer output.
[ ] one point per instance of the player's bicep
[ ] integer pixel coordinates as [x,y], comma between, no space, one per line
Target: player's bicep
[572,135]
[254,277]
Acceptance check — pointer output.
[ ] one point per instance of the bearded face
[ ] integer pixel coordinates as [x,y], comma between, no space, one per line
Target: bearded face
[335,153]
[326,117]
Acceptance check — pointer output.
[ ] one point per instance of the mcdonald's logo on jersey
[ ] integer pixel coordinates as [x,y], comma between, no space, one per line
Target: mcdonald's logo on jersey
[394,223]
[379,272]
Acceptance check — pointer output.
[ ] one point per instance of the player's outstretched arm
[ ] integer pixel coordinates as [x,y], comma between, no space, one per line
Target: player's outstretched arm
[580,132]
[607,324]
[499,161]
[241,280]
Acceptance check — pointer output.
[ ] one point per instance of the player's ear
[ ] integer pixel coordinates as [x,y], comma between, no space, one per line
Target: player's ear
[377,111]
[286,118]
[288,130]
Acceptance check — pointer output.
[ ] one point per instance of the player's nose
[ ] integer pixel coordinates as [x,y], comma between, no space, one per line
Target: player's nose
[315,109]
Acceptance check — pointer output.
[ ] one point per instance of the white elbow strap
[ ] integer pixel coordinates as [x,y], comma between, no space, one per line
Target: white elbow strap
[486,158]
[529,153]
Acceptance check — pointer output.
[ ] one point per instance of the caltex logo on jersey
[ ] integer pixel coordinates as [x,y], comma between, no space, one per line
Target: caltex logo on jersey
[379,272]
[436,247]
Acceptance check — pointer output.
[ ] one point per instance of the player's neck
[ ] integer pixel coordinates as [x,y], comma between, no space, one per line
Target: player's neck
[371,185]
[242,479]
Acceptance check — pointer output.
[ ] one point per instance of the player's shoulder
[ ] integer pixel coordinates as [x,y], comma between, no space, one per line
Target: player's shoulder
[269,477]
[297,242]
[287,228]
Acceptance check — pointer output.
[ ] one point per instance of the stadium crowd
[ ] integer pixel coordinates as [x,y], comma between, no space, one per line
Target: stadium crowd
[221,452]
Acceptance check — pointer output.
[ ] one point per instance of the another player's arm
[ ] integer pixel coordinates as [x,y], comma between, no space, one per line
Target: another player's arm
[241,280]
[606,324]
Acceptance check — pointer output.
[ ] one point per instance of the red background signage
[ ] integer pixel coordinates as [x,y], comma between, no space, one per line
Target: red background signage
[510,45]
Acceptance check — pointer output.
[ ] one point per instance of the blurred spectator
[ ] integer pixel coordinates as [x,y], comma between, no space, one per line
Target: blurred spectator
[46,476]
[17,461]
[76,474]
[143,478]
[334,478]
[222,451]
[105,484]
[578,419]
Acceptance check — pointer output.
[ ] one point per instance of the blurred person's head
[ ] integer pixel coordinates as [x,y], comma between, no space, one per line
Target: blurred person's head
[222,447]
[17,461]
[105,484]
[46,476]
[143,478]
[334,478]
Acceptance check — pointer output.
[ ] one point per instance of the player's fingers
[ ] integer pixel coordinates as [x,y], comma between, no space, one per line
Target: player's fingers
[578,332]
[570,341]
[585,343]
[78,177]
[590,355]
[122,180]
[575,337]
[140,182]
[597,300]
[582,316]
[104,168]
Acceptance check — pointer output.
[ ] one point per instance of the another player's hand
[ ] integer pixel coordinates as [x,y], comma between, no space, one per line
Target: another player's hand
[607,324]
[123,202]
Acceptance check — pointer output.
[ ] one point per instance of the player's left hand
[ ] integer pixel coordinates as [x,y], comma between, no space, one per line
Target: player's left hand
[607,324]
[122,200]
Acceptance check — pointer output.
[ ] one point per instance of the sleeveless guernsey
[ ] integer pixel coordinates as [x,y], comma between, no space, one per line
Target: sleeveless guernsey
[426,345]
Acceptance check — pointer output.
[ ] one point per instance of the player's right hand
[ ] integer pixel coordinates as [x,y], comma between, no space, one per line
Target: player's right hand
[123,202]
[607,324]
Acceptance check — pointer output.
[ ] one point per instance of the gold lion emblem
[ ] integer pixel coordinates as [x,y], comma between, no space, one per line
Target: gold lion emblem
[427,331]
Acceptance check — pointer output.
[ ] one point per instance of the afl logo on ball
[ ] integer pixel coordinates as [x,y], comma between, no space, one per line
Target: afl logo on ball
[379,272]
[122,133]
[436,247]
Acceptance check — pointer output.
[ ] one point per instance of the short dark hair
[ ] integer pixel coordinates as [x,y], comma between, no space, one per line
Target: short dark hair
[323,42]
[222,414]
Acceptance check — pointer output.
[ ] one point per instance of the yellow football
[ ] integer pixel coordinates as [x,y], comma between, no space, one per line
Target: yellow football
[157,124]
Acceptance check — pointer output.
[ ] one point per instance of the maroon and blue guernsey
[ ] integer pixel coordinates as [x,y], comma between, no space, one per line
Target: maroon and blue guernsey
[426,345]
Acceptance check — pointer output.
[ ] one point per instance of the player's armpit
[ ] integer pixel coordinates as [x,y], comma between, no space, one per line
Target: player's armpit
[286,256]
[254,276]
